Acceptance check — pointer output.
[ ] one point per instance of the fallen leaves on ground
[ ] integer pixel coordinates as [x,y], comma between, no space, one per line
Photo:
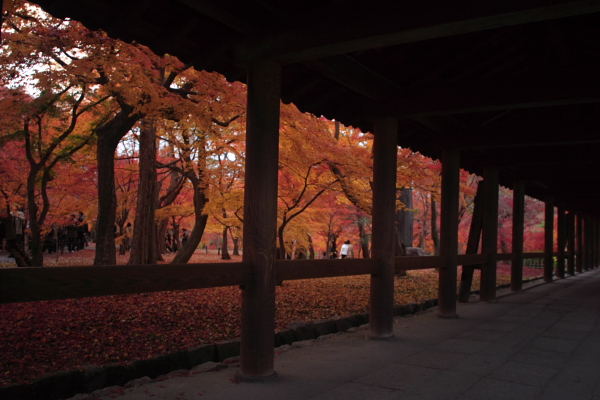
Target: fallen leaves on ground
[49,336]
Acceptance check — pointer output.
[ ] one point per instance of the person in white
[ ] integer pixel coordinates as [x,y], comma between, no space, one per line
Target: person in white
[347,250]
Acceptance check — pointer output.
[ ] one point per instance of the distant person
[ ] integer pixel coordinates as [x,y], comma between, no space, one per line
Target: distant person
[347,250]
[71,229]
[129,234]
[184,237]
[333,253]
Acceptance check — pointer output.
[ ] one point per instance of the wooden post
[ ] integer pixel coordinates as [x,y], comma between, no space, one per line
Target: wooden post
[571,243]
[385,158]
[586,243]
[561,240]
[579,258]
[449,233]
[260,221]
[549,240]
[518,236]
[595,243]
[466,278]
[489,239]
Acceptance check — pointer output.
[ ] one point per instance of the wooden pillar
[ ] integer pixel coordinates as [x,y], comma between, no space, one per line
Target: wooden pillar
[489,236]
[586,243]
[449,233]
[579,239]
[385,158]
[595,243]
[571,243]
[561,240]
[518,236]
[549,240]
[466,278]
[260,221]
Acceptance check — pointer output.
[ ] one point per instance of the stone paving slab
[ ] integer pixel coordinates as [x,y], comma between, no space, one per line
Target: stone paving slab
[543,343]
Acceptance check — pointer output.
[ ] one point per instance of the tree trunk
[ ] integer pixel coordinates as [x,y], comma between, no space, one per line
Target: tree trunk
[364,238]
[405,218]
[186,252]
[37,256]
[225,253]
[236,245]
[109,135]
[435,234]
[144,249]
[311,249]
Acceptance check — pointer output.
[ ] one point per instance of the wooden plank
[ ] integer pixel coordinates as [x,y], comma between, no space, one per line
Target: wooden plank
[332,30]
[409,263]
[489,236]
[505,256]
[447,295]
[260,220]
[469,97]
[288,270]
[54,283]
[472,259]
[385,158]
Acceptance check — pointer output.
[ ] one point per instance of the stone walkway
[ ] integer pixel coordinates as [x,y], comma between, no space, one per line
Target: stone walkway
[543,343]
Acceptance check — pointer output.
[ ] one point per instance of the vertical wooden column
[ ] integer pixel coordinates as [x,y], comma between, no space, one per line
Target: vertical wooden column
[571,243]
[518,236]
[385,159]
[260,221]
[579,239]
[586,243]
[595,243]
[489,236]
[561,240]
[466,278]
[549,240]
[449,233]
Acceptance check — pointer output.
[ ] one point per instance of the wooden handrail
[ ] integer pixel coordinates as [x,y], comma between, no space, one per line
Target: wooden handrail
[53,283]
[288,270]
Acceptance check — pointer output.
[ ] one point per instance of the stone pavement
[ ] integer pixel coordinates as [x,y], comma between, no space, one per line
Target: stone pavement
[543,343]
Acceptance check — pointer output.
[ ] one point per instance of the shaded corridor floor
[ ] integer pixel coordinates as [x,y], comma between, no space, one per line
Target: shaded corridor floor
[542,343]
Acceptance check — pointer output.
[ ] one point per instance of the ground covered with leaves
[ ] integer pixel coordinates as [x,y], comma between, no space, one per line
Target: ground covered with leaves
[49,336]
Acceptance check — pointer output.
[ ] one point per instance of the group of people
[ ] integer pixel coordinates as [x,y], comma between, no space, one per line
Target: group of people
[347,251]
[172,244]
[13,226]
[72,234]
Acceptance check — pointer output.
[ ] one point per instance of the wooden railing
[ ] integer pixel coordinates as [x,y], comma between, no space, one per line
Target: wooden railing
[53,283]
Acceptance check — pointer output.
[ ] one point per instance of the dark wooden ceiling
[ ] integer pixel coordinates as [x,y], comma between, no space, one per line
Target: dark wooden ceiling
[515,84]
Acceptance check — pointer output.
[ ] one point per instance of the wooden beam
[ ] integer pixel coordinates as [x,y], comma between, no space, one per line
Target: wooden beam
[260,220]
[549,239]
[363,26]
[518,236]
[385,156]
[486,96]
[489,239]
[55,283]
[289,270]
[449,233]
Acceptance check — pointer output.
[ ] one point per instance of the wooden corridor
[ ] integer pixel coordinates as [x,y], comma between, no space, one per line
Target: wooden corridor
[457,81]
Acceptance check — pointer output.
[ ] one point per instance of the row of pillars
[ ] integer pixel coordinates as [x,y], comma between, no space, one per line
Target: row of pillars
[260,225]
